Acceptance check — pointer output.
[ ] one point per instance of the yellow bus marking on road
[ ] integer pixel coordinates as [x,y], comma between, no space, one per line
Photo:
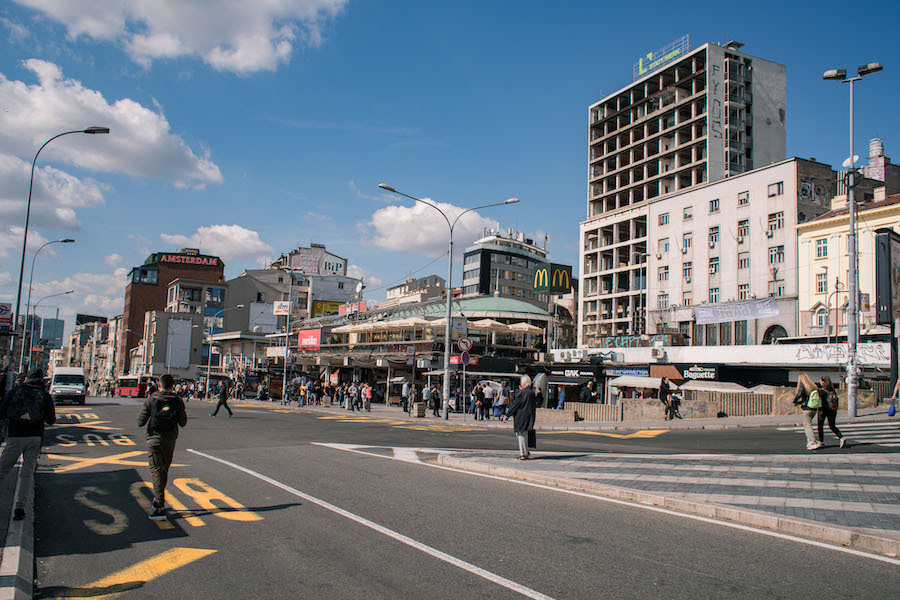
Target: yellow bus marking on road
[120,521]
[203,494]
[137,575]
[647,433]
[146,503]
[115,459]
[95,425]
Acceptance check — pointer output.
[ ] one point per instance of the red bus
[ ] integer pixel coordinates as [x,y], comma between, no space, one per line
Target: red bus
[133,386]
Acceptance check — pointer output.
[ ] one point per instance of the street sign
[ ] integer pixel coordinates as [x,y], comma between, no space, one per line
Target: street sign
[281,307]
[5,316]
[459,327]
[463,359]
[410,352]
[465,344]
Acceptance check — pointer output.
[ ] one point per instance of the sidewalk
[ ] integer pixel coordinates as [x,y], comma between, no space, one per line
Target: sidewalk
[851,500]
[380,411]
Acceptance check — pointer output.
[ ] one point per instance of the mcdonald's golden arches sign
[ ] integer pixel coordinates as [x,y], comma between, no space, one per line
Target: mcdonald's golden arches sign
[553,278]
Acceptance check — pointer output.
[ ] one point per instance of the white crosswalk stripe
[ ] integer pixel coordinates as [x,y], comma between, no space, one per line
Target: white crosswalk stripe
[881,434]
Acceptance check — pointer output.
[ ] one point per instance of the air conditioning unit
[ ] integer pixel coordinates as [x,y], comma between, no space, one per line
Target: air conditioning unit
[712,244]
[684,250]
[770,233]
[657,353]
[687,279]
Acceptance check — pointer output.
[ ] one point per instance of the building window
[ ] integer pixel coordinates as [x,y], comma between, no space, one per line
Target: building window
[260,296]
[714,206]
[743,228]
[821,317]
[776,255]
[740,333]
[822,248]
[664,219]
[713,265]
[743,198]
[776,221]
[688,213]
[725,334]
[686,299]
[821,283]
[713,295]
[776,189]
[663,301]
[663,245]
[744,291]
[711,334]
[743,260]
[713,236]
[687,240]
[664,273]
[687,270]
[776,288]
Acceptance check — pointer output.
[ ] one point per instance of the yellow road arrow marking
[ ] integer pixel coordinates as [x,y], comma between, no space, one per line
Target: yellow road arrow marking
[136,576]
[646,433]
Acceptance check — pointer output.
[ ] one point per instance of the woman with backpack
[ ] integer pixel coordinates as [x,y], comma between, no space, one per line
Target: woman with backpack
[809,401]
[829,410]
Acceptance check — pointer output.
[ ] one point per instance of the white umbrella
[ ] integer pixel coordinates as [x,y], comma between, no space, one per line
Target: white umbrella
[489,325]
[524,327]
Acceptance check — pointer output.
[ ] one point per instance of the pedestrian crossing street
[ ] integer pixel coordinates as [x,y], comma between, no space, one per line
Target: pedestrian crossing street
[885,433]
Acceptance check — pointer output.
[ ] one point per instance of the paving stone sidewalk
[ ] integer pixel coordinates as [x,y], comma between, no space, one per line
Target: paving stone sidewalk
[853,498]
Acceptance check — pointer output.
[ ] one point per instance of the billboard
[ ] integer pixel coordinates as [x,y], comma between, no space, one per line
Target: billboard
[324,308]
[281,307]
[309,339]
[887,276]
[261,318]
[308,260]
[655,60]
[81,319]
[5,316]
[553,278]
[352,308]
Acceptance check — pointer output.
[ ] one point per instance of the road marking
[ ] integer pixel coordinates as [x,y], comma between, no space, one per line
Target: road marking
[95,425]
[115,459]
[204,494]
[643,434]
[137,575]
[667,511]
[120,520]
[492,577]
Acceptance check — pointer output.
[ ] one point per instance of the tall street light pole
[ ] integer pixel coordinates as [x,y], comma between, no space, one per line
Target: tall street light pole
[28,302]
[34,314]
[853,321]
[90,131]
[209,349]
[450,226]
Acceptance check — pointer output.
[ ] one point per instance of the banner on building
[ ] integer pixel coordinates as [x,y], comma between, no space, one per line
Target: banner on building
[745,310]
[324,308]
[309,339]
[5,316]
[553,278]
[352,308]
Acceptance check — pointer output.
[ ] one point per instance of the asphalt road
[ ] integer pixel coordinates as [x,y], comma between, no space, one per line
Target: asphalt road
[288,518]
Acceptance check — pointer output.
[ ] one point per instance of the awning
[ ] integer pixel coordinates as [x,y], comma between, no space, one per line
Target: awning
[636,381]
[713,386]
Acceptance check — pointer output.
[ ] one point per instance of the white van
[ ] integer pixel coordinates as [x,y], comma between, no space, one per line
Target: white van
[67,385]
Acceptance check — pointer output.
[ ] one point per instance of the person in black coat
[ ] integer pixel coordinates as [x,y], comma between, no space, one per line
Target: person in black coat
[522,410]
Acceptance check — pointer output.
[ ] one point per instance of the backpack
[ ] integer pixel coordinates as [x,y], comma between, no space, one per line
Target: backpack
[832,400]
[26,406]
[163,415]
[814,401]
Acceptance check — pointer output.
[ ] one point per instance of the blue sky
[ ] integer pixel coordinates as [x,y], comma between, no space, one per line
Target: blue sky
[248,131]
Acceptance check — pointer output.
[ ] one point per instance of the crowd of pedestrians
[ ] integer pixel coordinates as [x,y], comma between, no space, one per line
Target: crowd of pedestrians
[818,401]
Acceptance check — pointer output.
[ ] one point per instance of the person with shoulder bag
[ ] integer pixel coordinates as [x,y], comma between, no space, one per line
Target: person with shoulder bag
[163,413]
[28,408]
[808,399]
[829,411]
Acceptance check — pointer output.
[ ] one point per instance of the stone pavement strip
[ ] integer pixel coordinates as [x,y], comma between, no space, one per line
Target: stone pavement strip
[852,499]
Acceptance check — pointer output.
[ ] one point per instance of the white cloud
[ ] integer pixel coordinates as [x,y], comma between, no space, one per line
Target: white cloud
[242,37]
[419,229]
[358,272]
[140,142]
[113,260]
[17,32]
[11,242]
[93,293]
[225,241]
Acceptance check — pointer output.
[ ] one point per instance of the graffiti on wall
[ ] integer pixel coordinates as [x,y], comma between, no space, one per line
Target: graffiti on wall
[629,341]
[877,353]
[811,191]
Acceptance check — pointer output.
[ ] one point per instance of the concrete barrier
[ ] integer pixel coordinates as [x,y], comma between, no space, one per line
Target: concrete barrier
[549,415]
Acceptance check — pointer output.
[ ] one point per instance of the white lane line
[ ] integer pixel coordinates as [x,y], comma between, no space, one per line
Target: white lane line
[667,511]
[492,577]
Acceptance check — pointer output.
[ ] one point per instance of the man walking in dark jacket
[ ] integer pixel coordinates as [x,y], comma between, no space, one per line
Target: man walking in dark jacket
[163,413]
[523,410]
[28,407]
[223,401]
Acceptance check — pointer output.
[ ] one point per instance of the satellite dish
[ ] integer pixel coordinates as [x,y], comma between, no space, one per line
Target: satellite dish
[846,164]
[359,287]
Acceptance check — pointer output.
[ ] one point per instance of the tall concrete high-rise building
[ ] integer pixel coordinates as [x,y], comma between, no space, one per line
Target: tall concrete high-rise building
[52,331]
[701,116]
[503,262]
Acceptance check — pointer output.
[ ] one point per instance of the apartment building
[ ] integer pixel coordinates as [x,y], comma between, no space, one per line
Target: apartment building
[712,113]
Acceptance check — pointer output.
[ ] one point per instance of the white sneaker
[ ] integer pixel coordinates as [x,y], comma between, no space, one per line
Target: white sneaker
[843,442]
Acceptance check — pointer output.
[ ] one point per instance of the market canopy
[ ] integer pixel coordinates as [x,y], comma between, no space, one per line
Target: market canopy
[488,325]
[524,327]
[636,381]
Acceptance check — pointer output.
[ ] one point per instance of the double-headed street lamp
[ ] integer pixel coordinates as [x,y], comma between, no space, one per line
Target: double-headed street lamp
[28,302]
[90,131]
[853,308]
[209,349]
[33,317]
[451,226]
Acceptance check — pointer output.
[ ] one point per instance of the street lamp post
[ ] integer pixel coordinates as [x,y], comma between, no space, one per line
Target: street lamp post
[644,256]
[28,302]
[450,226]
[34,314]
[89,130]
[853,321]
[838,288]
[209,349]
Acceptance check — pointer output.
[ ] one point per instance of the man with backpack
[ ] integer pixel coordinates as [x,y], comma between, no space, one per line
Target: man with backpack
[28,407]
[163,413]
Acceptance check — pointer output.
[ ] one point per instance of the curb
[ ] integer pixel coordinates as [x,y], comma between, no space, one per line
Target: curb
[17,564]
[815,530]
